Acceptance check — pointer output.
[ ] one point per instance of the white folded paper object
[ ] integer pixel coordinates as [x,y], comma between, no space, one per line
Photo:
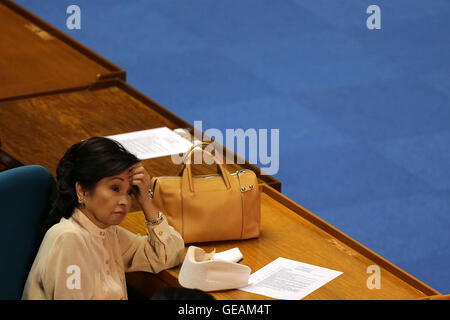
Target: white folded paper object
[213,271]
[232,255]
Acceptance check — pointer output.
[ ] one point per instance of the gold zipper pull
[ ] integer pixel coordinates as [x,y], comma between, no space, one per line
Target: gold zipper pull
[150,192]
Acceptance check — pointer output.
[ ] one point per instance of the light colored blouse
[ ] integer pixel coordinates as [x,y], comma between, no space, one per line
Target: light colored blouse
[78,260]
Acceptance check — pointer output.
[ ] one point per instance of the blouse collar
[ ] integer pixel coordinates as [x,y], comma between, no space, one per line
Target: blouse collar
[86,223]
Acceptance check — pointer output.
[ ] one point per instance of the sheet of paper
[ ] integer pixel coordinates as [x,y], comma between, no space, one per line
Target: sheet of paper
[152,143]
[288,279]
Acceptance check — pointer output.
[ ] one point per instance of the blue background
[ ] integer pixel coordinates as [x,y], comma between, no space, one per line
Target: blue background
[364,115]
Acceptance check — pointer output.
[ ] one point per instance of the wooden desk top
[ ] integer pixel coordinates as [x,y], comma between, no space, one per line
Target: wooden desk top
[36,57]
[292,232]
[38,130]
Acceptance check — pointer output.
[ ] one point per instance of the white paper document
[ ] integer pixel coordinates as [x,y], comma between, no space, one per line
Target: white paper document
[152,143]
[288,279]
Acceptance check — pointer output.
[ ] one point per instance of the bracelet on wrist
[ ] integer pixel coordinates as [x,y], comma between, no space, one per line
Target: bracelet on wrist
[157,221]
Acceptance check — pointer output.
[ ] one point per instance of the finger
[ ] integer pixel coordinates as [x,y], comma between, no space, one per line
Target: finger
[139,176]
[143,176]
[136,165]
[138,170]
[139,182]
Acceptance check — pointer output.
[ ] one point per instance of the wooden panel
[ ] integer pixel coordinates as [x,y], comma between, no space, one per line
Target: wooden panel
[437,297]
[292,232]
[35,57]
[38,130]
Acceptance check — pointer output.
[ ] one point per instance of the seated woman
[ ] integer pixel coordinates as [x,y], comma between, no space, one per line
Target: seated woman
[85,254]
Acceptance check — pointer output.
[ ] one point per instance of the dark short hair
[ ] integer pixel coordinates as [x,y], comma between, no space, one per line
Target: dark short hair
[85,162]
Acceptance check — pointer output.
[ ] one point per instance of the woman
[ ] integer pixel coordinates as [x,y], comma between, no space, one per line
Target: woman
[85,254]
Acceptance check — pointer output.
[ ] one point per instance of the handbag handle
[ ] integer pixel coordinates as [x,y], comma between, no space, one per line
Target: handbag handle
[187,173]
[188,154]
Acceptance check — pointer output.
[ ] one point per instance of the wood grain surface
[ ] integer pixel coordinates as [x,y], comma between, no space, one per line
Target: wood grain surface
[36,57]
[297,234]
[38,130]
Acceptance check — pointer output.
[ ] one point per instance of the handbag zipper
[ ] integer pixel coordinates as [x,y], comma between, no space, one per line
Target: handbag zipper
[152,188]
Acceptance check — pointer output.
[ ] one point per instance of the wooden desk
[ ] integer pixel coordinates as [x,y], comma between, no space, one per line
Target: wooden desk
[38,130]
[292,232]
[36,57]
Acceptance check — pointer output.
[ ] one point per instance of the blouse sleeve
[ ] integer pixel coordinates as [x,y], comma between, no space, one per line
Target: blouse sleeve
[162,248]
[67,273]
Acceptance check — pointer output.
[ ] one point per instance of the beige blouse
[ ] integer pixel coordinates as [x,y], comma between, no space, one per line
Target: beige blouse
[78,260]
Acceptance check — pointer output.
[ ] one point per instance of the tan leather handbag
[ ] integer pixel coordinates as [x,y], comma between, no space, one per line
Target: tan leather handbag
[205,208]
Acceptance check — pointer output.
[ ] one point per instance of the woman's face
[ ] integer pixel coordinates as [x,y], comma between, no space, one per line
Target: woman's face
[109,202]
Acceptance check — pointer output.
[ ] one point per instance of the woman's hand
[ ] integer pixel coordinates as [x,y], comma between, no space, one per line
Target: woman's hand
[140,180]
